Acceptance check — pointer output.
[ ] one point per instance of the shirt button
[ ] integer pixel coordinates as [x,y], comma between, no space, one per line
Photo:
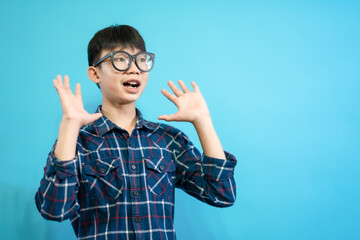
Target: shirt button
[161,167]
[135,193]
[102,170]
[130,144]
[137,219]
[133,167]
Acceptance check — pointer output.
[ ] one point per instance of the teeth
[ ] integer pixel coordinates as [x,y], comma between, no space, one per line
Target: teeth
[131,84]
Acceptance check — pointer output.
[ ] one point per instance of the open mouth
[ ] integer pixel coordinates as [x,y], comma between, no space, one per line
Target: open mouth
[131,84]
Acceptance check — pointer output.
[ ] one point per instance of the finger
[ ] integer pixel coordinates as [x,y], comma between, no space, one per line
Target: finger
[95,116]
[168,118]
[183,86]
[175,90]
[195,87]
[168,95]
[57,85]
[78,91]
[66,82]
[59,80]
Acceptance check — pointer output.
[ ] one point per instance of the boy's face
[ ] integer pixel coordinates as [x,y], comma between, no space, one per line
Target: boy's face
[120,87]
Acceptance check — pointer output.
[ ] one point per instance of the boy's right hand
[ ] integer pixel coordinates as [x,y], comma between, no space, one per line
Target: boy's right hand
[72,104]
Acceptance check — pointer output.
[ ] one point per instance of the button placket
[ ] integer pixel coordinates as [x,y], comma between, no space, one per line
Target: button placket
[135,182]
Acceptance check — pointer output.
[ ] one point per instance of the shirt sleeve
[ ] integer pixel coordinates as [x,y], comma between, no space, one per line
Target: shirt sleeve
[209,179]
[56,198]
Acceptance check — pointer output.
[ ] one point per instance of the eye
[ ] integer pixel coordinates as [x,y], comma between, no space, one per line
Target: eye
[119,59]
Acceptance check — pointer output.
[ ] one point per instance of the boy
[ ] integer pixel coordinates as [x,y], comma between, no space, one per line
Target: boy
[112,173]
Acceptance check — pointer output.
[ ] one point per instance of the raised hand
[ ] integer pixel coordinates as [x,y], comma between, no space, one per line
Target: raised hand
[191,105]
[72,104]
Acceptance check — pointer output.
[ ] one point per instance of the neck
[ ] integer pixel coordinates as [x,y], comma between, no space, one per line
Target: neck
[123,115]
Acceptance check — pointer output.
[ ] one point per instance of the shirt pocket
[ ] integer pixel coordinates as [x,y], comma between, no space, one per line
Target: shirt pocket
[160,175]
[103,179]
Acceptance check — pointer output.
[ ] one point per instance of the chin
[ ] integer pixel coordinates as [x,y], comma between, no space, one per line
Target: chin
[131,99]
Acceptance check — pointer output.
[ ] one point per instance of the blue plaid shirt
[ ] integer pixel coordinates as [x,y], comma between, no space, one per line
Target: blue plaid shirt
[122,187]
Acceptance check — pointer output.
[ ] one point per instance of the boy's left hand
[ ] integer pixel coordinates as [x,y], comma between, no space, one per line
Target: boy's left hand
[191,105]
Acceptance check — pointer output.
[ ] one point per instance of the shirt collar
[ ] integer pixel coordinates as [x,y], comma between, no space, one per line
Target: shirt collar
[104,125]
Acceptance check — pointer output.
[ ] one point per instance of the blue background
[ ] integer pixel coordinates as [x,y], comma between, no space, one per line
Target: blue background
[281,79]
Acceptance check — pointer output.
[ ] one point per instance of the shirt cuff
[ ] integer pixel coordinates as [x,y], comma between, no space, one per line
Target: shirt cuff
[219,169]
[62,169]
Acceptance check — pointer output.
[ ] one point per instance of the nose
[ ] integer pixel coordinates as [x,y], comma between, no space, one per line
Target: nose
[133,68]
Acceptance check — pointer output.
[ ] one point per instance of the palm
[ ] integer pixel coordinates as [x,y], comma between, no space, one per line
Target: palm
[191,105]
[72,104]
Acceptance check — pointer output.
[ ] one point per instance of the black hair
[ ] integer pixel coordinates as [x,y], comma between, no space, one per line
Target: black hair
[110,38]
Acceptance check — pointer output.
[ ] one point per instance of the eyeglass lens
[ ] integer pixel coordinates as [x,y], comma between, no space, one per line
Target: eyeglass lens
[122,61]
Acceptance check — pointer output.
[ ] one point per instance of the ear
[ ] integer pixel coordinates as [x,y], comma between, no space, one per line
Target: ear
[93,74]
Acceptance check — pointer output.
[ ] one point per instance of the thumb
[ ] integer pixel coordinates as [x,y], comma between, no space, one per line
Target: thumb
[167,118]
[95,116]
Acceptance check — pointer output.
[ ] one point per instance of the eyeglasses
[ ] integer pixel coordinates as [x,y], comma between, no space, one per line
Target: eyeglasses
[122,60]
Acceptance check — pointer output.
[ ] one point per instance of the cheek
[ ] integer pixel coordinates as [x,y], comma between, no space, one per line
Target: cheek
[109,85]
[144,83]
[145,79]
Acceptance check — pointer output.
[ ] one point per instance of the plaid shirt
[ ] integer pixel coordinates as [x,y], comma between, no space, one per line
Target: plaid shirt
[122,187]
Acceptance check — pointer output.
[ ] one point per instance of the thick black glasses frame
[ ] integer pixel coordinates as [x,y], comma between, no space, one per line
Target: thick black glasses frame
[112,54]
